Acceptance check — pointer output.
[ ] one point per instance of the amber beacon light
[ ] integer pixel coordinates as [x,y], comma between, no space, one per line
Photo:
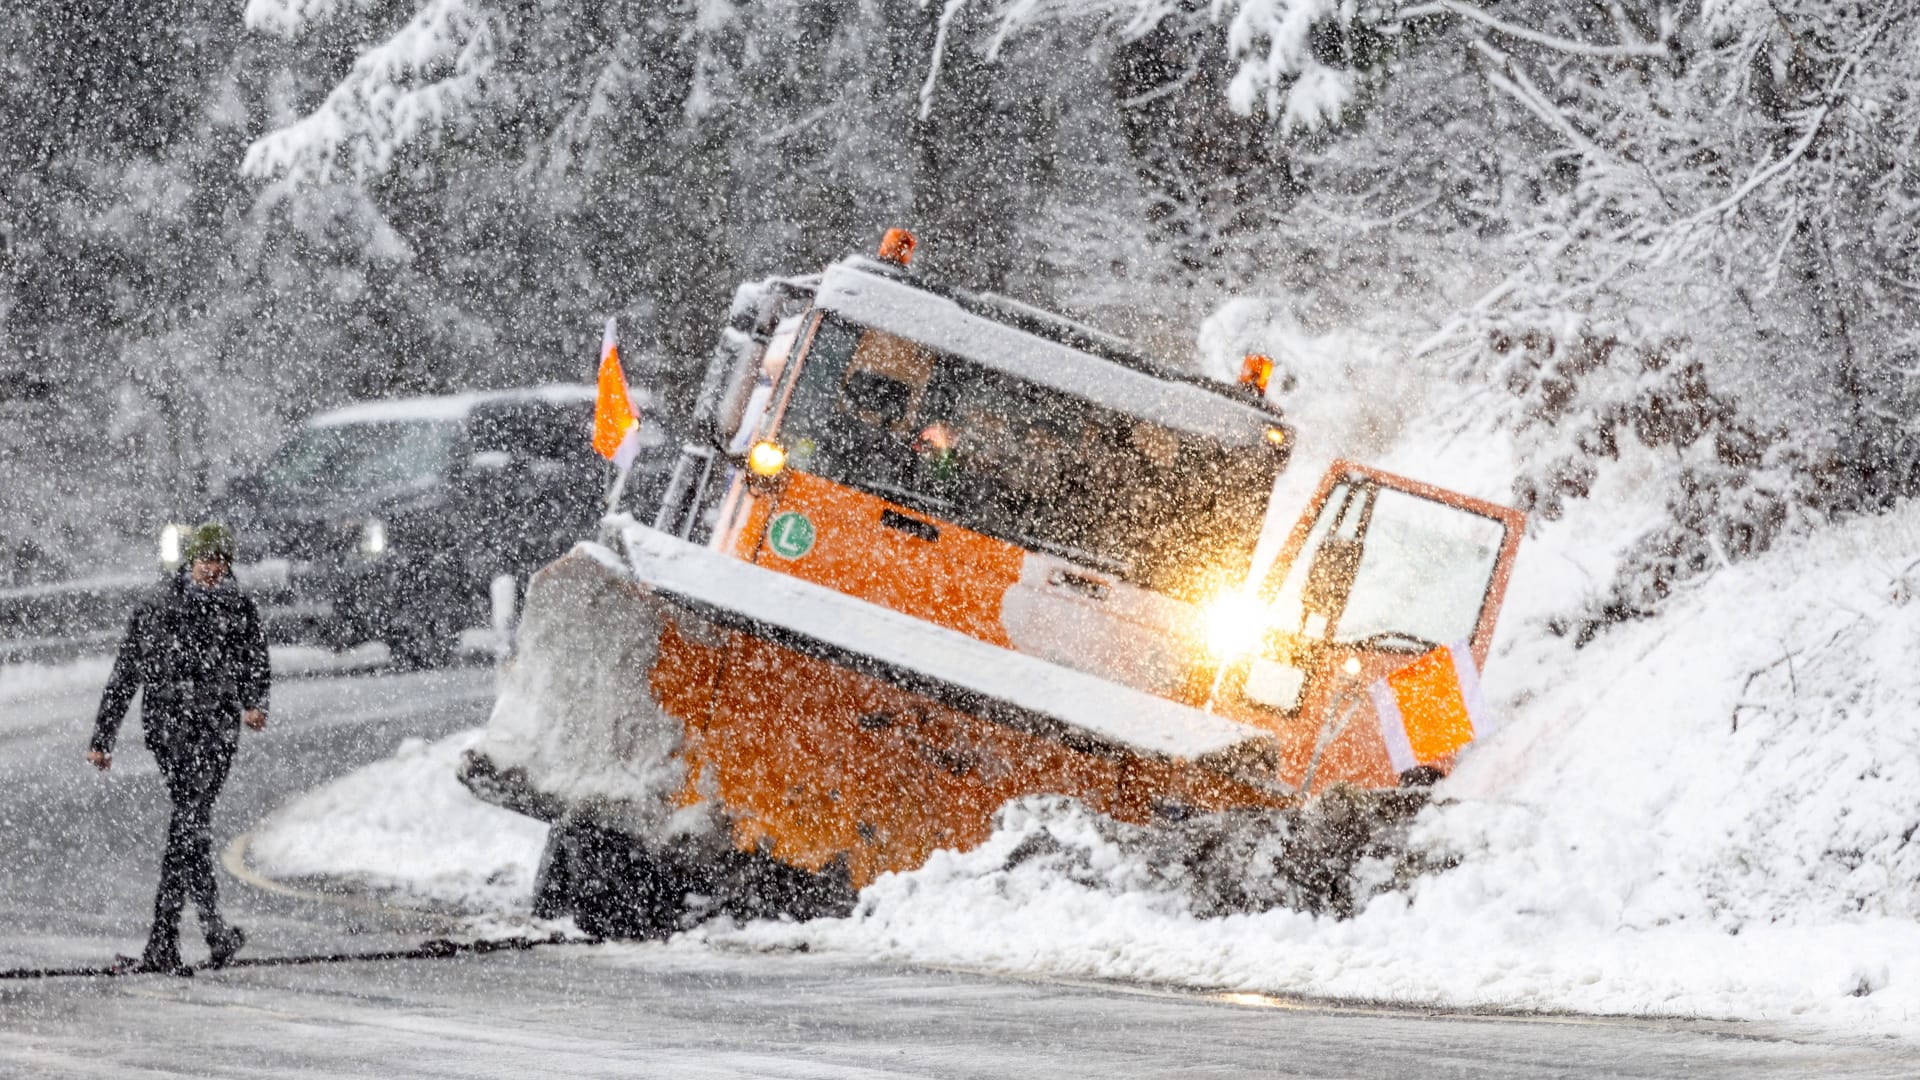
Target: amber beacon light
[897,247]
[766,459]
[1255,372]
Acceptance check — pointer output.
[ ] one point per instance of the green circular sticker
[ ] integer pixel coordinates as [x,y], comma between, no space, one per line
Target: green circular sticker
[790,535]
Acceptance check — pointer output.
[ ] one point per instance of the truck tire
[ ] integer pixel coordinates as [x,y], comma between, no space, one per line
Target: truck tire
[611,885]
[615,886]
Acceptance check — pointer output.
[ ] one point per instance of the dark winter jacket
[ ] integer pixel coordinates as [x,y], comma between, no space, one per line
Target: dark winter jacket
[202,657]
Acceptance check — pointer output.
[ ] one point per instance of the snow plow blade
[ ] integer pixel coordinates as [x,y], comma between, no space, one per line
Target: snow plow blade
[668,691]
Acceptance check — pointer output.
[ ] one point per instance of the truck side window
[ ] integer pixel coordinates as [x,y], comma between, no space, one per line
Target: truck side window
[886,375]
[847,410]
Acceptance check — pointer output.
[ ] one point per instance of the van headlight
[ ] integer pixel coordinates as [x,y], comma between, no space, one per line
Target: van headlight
[373,538]
[170,536]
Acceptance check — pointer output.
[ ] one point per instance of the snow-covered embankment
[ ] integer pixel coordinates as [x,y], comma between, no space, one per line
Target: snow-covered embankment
[1623,846]
[405,828]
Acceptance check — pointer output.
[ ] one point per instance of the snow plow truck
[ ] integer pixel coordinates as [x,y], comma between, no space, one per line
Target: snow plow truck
[930,551]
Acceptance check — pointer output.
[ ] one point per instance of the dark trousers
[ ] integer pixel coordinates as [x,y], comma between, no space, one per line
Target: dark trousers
[194,771]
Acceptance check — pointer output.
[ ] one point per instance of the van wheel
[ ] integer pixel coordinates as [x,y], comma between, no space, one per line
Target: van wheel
[421,650]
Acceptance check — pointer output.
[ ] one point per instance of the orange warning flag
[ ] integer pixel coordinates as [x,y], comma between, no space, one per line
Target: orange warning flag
[616,428]
[1431,707]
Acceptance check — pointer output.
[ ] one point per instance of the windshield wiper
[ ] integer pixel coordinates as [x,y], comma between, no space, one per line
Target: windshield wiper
[1395,641]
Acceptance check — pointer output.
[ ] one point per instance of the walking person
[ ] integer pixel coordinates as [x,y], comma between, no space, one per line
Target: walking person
[198,650]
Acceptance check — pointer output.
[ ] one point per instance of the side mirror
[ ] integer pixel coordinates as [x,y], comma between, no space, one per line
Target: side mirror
[1274,683]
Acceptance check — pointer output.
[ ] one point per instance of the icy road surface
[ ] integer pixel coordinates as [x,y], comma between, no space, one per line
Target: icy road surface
[77,867]
[658,1010]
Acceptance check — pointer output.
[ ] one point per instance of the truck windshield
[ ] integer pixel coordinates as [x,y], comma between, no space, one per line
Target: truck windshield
[1170,511]
[339,459]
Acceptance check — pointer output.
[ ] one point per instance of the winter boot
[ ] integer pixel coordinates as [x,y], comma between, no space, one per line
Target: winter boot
[224,943]
[149,965]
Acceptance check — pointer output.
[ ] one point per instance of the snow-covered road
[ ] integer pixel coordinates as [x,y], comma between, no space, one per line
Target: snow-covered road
[77,863]
[686,1011]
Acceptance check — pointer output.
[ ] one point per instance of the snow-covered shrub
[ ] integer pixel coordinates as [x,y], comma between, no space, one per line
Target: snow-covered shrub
[1327,856]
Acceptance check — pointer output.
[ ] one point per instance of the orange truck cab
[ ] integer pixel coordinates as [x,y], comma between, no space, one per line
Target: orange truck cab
[938,550]
[1068,500]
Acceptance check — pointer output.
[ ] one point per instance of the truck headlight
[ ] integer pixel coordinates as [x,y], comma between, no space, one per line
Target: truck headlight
[373,538]
[1236,624]
[170,535]
[766,459]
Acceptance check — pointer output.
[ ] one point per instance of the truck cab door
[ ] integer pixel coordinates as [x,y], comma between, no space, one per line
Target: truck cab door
[1378,572]
[857,509]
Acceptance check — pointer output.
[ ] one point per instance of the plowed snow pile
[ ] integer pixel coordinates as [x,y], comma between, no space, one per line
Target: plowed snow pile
[1624,845]
[404,827]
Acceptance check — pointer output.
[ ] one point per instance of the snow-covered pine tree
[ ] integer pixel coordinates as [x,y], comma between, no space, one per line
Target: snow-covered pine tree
[141,286]
[1713,260]
[1698,219]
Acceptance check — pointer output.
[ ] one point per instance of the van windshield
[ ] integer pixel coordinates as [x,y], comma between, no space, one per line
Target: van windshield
[1171,511]
[340,459]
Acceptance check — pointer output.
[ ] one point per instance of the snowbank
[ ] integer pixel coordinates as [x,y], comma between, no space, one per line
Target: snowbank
[32,680]
[1489,935]
[24,682]
[405,826]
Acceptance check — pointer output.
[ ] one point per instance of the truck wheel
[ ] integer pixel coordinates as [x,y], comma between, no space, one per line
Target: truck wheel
[610,883]
[616,887]
[552,880]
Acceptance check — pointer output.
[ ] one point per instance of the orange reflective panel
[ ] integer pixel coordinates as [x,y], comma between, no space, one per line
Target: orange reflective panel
[1432,708]
[884,553]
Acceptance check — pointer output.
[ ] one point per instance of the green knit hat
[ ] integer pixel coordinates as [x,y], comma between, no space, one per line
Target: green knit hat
[210,541]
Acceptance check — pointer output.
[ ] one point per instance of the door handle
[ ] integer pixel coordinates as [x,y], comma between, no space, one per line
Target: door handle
[1090,587]
[924,530]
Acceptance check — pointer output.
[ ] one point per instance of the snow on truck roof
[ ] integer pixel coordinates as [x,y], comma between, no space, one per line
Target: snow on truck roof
[455,406]
[870,295]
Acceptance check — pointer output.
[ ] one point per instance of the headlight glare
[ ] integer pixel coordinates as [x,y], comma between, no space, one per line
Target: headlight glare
[1236,624]
[766,459]
[373,538]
